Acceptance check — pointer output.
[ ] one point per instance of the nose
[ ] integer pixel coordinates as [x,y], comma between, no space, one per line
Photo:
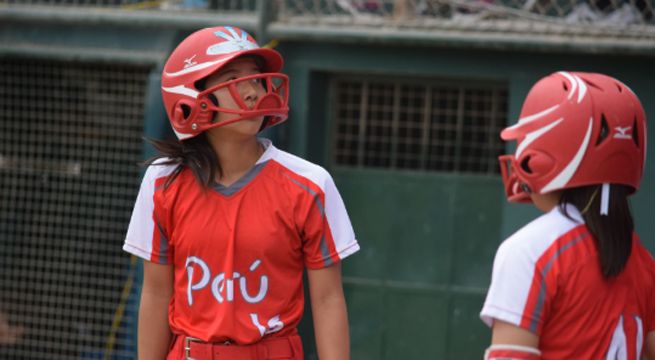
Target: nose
[251,90]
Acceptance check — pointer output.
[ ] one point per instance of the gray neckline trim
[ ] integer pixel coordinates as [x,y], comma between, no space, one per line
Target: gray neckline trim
[242,182]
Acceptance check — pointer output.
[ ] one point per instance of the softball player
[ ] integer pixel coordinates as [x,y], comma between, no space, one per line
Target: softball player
[227,223]
[576,283]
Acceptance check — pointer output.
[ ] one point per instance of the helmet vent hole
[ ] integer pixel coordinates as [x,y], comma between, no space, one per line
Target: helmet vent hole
[201,84]
[604,130]
[635,133]
[592,84]
[186,110]
[619,87]
[525,165]
[565,86]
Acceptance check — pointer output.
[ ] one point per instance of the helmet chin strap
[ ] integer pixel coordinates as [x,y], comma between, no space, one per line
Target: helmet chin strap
[605,199]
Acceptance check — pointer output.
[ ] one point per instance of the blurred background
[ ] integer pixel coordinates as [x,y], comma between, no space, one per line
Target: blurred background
[401,100]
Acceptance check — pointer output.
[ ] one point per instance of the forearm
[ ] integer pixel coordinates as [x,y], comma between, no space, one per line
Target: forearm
[331,328]
[649,348]
[154,332]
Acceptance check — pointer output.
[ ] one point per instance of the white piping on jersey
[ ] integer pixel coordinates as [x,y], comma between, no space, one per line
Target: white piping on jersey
[530,137]
[560,180]
[541,299]
[524,120]
[325,251]
[196,67]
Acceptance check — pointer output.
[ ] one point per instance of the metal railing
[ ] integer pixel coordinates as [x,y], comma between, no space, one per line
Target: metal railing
[237,6]
[587,21]
[614,13]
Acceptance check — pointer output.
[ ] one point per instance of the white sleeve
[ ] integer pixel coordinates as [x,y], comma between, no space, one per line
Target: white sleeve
[145,238]
[511,280]
[337,216]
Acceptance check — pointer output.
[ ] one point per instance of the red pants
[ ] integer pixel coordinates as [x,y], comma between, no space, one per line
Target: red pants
[282,348]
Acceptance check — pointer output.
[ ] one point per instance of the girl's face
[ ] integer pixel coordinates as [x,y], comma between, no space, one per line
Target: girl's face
[250,92]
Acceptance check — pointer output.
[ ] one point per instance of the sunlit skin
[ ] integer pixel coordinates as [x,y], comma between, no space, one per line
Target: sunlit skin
[546,202]
[250,92]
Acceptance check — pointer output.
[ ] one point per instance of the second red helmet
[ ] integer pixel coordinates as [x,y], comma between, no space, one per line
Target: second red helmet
[575,129]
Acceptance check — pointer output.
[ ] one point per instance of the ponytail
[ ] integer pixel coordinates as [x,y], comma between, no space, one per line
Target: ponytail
[612,232]
[195,153]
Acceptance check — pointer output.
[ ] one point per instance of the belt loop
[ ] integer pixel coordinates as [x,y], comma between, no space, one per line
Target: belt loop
[259,350]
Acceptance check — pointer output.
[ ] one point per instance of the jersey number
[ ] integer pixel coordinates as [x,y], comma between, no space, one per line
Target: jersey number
[618,349]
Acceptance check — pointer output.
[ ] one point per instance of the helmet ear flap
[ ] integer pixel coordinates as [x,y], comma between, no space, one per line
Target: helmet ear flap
[182,112]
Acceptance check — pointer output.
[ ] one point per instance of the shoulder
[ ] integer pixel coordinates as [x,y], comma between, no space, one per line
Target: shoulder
[535,238]
[301,170]
[160,168]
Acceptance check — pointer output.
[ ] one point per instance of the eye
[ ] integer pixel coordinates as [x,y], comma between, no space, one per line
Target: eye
[257,81]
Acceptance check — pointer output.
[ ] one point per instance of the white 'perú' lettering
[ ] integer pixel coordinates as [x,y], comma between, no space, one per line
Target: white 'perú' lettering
[222,288]
[203,280]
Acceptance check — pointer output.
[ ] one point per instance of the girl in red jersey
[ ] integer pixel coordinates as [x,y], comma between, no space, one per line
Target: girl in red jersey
[576,283]
[227,223]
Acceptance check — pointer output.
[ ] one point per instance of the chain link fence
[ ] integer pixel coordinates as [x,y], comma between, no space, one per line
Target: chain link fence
[614,18]
[70,141]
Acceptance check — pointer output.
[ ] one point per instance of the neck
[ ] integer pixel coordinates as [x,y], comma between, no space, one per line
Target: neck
[236,155]
[546,202]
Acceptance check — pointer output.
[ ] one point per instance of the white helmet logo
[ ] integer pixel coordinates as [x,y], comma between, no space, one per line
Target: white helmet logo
[233,42]
[622,133]
[189,62]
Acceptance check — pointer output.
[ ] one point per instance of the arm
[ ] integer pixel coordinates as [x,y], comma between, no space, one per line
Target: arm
[649,349]
[510,342]
[154,331]
[509,334]
[329,312]
[9,335]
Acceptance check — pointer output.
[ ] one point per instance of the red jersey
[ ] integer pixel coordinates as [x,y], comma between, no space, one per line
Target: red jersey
[547,279]
[239,252]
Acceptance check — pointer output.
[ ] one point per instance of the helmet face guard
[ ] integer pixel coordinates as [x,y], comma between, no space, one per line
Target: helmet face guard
[575,129]
[272,104]
[515,189]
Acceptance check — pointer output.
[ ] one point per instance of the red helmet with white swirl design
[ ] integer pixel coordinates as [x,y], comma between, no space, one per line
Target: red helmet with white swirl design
[575,129]
[191,110]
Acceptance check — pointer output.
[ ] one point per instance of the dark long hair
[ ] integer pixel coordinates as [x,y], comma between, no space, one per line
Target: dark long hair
[612,232]
[195,153]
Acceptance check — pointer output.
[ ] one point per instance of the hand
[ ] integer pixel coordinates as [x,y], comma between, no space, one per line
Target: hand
[9,335]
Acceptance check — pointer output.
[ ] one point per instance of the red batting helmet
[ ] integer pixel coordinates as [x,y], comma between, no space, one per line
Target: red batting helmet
[575,129]
[192,110]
